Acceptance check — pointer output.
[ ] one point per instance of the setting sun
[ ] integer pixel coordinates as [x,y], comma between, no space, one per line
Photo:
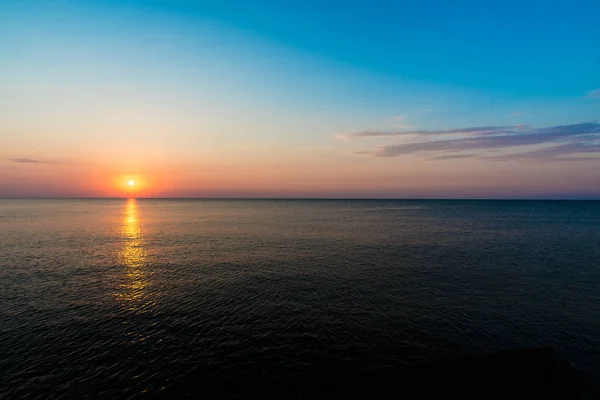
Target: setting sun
[130,185]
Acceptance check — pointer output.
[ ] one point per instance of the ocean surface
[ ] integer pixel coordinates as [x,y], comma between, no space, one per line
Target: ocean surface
[133,298]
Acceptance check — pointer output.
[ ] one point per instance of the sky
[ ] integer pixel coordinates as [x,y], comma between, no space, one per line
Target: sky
[336,99]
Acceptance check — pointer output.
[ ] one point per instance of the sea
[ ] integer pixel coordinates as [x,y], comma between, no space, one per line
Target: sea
[131,298]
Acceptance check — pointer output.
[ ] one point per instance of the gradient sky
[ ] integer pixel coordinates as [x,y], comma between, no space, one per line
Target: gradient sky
[415,99]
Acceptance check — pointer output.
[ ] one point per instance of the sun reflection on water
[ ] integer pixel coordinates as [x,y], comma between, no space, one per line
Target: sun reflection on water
[134,295]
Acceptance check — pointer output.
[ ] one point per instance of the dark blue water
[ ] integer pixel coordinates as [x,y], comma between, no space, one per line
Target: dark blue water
[125,298]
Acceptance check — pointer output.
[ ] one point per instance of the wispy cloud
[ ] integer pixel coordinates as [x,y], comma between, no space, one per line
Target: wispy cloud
[593,94]
[400,123]
[478,130]
[560,141]
[562,152]
[29,161]
[454,156]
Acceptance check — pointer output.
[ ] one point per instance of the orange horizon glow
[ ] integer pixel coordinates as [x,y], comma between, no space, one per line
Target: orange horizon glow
[249,178]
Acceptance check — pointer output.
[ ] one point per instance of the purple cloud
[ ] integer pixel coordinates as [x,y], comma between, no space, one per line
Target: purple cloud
[583,138]
[478,130]
[593,94]
[25,161]
[454,156]
[29,161]
[562,152]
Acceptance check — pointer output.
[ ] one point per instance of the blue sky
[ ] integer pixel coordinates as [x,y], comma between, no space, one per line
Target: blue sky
[519,48]
[268,86]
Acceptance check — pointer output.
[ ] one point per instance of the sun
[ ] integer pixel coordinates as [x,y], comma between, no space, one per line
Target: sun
[131,183]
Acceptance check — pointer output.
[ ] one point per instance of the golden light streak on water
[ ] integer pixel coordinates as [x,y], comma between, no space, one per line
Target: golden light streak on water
[133,257]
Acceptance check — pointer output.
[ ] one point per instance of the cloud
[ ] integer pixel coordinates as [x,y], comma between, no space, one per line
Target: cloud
[454,156]
[29,161]
[562,152]
[478,130]
[593,94]
[561,141]
[399,123]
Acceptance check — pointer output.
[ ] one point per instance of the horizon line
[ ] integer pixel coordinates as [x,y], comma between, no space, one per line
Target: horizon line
[308,198]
